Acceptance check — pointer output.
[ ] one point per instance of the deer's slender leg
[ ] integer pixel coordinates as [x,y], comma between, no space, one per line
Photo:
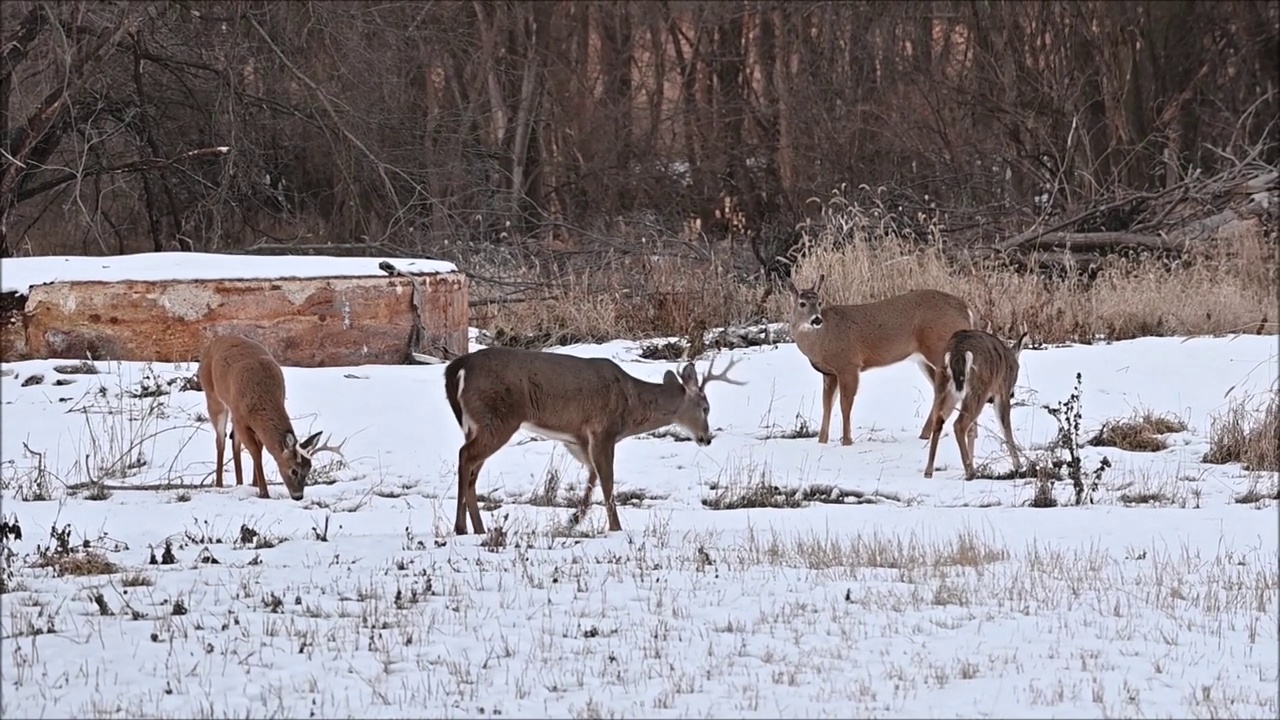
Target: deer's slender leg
[936,375]
[848,389]
[579,454]
[236,442]
[1003,407]
[973,437]
[471,457]
[962,426]
[944,402]
[828,396]
[254,445]
[601,450]
[218,416]
[469,463]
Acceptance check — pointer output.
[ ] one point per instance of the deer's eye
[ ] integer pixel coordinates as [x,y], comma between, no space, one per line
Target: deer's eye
[804,304]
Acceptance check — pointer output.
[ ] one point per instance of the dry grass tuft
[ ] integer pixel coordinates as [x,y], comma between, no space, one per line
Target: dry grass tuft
[1242,434]
[874,550]
[1139,433]
[85,562]
[1259,491]
[137,579]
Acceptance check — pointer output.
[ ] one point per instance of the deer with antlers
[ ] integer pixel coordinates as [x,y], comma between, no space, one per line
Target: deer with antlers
[589,404]
[243,383]
[979,369]
[841,341]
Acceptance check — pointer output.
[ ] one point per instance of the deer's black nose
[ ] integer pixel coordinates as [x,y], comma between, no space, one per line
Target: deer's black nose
[816,322]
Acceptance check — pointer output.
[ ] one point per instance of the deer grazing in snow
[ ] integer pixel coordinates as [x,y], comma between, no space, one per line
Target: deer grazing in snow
[587,404]
[841,341]
[978,369]
[243,383]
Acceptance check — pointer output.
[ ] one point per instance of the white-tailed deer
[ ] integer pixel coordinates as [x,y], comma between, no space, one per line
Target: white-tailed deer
[589,404]
[841,341]
[241,380]
[978,369]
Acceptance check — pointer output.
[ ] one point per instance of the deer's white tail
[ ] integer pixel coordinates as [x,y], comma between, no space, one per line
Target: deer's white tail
[959,366]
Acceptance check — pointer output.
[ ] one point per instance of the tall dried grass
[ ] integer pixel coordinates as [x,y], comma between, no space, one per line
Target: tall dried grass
[1228,286]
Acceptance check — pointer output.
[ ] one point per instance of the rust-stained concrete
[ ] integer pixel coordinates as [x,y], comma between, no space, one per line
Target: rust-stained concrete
[311,322]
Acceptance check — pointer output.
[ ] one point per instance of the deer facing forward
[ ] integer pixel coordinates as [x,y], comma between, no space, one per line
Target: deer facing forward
[978,369]
[242,382]
[589,404]
[841,341]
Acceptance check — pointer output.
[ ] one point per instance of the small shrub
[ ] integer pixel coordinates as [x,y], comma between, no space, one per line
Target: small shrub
[549,493]
[495,539]
[252,538]
[10,532]
[67,558]
[32,483]
[1068,413]
[801,429]
[96,491]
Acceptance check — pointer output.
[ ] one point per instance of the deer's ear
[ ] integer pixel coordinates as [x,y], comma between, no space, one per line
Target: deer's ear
[689,376]
[791,287]
[670,379]
[1017,346]
[311,441]
[290,440]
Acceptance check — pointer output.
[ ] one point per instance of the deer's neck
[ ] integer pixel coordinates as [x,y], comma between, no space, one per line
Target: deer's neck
[270,423]
[653,405]
[809,339]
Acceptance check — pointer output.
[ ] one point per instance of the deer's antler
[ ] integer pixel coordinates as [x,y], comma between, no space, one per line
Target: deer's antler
[722,376]
[324,445]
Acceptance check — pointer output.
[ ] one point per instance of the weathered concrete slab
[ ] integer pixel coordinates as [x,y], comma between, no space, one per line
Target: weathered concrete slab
[306,322]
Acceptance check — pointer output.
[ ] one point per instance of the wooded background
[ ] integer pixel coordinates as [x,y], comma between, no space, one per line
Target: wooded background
[424,127]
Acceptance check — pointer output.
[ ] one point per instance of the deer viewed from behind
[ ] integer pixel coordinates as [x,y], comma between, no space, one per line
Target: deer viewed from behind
[841,341]
[243,383]
[589,404]
[979,369]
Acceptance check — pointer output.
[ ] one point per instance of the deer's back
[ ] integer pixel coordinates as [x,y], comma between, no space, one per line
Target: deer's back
[889,330]
[550,390]
[994,366]
[240,372]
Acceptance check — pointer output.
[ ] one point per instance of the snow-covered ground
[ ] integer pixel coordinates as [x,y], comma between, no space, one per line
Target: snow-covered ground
[926,598]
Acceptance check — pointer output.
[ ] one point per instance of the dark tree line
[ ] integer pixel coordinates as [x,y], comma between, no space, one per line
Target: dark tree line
[404,125]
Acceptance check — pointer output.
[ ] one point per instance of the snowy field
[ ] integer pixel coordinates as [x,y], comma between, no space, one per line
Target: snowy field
[907,598]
